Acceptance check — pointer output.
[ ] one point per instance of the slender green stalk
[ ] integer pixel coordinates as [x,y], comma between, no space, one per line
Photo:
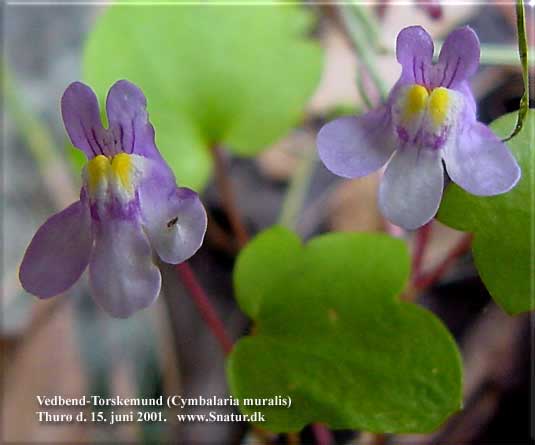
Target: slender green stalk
[523,53]
[369,22]
[362,91]
[39,142]
[37,138]
[357,32]
[296,193]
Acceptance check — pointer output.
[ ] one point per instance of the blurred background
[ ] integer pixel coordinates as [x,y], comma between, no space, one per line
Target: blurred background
[68,346]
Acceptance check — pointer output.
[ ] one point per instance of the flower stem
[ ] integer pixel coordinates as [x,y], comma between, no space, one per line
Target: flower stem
[423,281]
[204,306]
[420,246]
[40,143]
[421,242]
[360,39]
[296,192]
[209,314]
[228,199]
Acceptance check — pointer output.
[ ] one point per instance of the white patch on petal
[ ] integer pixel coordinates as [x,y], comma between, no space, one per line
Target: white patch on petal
[113,177]
[441,118]
[127,170]
[408,111]
[426,118]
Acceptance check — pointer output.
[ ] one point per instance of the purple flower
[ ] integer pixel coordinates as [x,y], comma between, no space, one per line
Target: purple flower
[129,206]
[429,117]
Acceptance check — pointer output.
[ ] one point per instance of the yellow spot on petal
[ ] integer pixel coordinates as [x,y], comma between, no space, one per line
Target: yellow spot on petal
[415,101]
[97,171]
[439,102]
[121,167]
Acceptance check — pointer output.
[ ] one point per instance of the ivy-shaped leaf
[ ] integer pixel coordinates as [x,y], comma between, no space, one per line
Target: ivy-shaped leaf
[331,334]
[503,225]
[238,76]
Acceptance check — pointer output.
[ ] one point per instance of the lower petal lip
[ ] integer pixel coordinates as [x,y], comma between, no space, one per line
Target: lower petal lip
[122,274]
[480,163]
[353,147]
[58,253]
[411,189]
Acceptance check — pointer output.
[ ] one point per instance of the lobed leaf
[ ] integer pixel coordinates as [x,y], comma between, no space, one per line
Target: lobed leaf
[503,225]
[331,334]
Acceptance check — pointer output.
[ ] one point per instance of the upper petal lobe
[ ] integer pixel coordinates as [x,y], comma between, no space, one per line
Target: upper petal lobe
[58,253]
[414,51]
[123,276]
[79,108]
[411,189]
[458,59]
[480,162]
[126,107]
[353,147]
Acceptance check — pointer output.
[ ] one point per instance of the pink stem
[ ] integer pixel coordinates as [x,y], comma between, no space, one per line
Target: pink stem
[423,281]
[208,313]
[189,280]
[322,434]
[204,306]
[420,246]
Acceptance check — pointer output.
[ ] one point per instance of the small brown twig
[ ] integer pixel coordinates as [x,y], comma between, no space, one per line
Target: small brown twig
[422,281]
[228,200]
[219,238]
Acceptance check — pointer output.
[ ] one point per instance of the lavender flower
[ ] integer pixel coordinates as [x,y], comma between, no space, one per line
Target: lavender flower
[129,206]
[429,117]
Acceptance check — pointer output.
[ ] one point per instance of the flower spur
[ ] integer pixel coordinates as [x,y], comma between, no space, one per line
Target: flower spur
[129,207]
[429,119]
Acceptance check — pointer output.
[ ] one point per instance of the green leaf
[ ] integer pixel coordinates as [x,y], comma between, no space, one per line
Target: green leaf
[237,76]
[503,225]
[331,335]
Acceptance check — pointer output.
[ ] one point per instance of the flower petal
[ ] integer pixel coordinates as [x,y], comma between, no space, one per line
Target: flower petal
[126,106]
[81,117]
[176,231]
[123,277]
[357,146]
[58,253]
[480,162]
[411,189]
[174,218]
[414,51]
[459,58]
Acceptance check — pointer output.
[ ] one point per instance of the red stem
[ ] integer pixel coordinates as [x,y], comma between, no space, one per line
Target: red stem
[208,313]
[423,281]
[228,199]
[420,246]
[322,434]
[204,306]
